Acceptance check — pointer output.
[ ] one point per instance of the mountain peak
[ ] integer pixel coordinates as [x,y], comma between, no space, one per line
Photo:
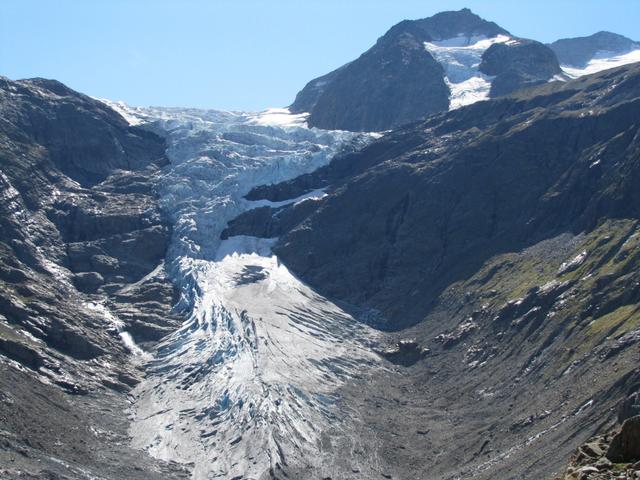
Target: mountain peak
[445,25]
[420,67]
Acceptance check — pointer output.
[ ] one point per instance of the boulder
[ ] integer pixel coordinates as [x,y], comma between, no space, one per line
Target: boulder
[88,282]
[625,445]
[406,352]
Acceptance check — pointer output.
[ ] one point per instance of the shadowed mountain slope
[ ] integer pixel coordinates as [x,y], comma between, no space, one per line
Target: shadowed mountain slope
[502,237]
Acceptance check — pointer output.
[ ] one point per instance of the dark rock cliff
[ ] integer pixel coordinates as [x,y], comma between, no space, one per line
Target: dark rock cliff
[524,64]
[82,243]
[406,210]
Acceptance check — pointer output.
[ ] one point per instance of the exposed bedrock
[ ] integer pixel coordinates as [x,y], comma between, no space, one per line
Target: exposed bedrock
[81,240]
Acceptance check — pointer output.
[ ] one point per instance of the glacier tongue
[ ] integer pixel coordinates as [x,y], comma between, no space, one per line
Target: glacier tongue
[250,382]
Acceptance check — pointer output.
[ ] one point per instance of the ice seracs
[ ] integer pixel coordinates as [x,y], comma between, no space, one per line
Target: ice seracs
[460,57]
[280,117]
[251,381]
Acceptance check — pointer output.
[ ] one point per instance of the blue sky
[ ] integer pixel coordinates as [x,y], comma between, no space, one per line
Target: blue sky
[243,54]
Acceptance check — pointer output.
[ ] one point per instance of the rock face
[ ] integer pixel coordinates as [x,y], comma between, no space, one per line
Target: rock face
[630,407]
[393,83]
[80,235]
[409,73]
[615,454]
[625,445]
[525,63]
[437,191]
[578,52]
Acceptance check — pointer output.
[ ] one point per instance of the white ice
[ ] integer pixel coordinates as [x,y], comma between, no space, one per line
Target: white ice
[461,57]
[279,116]
[317,194]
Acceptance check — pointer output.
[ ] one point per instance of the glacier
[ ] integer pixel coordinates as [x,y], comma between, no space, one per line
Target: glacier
[460,57]
[250,383]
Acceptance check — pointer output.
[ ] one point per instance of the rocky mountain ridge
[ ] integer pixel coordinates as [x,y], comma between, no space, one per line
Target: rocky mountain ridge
[401,79]
[578,52]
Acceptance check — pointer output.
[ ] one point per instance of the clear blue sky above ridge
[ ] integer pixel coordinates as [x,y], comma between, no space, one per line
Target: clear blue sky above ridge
[243,54]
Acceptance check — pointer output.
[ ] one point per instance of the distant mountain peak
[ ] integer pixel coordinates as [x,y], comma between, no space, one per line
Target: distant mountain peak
[445,25]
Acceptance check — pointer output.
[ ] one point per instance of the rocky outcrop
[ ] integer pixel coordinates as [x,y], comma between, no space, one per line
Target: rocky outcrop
[395,82]
[613,455]
[405,352]
[524,64]
[625,444]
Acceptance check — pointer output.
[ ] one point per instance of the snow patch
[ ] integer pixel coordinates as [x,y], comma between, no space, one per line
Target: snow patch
[574,263]
[278,116]
[313,195]
[119,325]
[132,115]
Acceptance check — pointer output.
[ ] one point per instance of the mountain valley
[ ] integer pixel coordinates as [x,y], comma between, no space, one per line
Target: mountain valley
[428,266]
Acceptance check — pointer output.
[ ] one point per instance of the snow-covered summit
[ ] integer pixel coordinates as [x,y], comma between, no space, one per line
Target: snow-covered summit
[600,51]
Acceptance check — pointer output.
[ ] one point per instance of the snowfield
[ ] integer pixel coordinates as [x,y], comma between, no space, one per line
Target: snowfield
[251,381]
